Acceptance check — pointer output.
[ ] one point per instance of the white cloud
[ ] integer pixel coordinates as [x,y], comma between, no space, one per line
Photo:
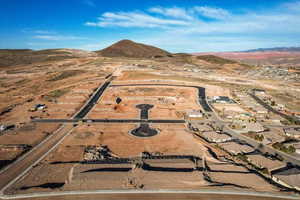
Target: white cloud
[216,13]
[189,27]
[38,31]
[57,37]
[43,32]
[189,20]
[175,12]
[135,19]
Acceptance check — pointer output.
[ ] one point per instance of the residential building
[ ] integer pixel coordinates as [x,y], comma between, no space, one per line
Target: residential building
[290,177]
[215,137]
[261,161]
[235,148]
[292,132]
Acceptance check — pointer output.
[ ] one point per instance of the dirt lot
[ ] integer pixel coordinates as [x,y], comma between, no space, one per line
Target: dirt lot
[27,135]
[236,175]
[169,102]
[172,139]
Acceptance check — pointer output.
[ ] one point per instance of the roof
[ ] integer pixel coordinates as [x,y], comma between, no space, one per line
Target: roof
[254,127]
[201,127]
[258,90]
[236,148]
[194,113]
[290,176]
[212,135]
[273,136]
[262,161]
[292,131]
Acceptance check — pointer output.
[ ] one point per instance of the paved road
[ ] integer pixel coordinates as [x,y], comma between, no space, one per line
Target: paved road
[134,194]
[92,101]
[280,126]
[22,165]
[167,121]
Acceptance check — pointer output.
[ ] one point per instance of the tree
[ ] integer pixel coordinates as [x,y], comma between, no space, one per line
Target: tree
[273,103]
[118,100]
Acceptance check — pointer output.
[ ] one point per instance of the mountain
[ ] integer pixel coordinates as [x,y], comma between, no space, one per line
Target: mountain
[279,56]
[216,60]
[289,49]
[128,48]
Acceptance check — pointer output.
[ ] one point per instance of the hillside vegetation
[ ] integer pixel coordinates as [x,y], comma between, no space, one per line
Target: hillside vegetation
[216,60]
[11,57]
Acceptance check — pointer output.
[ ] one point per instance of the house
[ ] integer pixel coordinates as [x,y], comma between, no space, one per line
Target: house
[38,107]
[292,132]
[261,110]
[235,148]
[198,126]
[254,127]
[246,126]
[297,147]
[2,128]
[259,91]
[222,99]
[289,177]
[7,127]
[271,137]
[194,114]
[215,137]
[262,162]
[244,116]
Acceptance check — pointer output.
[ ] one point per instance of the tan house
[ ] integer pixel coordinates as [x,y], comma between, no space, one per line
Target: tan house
[235,148]
[292,132]
[288,177]
[261,161]
[213,136]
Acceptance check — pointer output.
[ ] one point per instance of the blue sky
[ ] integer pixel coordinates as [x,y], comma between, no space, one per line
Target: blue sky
[174,25]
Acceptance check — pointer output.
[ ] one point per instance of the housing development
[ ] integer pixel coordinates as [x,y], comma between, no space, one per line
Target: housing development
[145,120]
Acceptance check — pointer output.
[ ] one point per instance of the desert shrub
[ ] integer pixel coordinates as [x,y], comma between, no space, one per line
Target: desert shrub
[66,74]
[55,94]
[287,149]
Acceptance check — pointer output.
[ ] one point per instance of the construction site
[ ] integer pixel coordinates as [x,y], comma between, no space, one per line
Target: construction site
[138,126]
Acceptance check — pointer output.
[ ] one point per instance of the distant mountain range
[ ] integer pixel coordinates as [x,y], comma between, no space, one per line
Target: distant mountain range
[278,56]
[281,56]
[289,49]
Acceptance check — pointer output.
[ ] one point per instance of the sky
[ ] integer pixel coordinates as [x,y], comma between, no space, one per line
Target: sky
[174,25]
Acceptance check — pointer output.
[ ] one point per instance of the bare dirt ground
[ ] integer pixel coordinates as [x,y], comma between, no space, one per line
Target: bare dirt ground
[169,102]
[65,85]
[59,85]
[172,139]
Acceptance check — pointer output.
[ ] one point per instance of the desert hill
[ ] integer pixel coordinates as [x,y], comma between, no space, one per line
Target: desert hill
[128,48]
[11,57]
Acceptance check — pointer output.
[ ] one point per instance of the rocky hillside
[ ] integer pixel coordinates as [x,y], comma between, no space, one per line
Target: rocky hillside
[128,48]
